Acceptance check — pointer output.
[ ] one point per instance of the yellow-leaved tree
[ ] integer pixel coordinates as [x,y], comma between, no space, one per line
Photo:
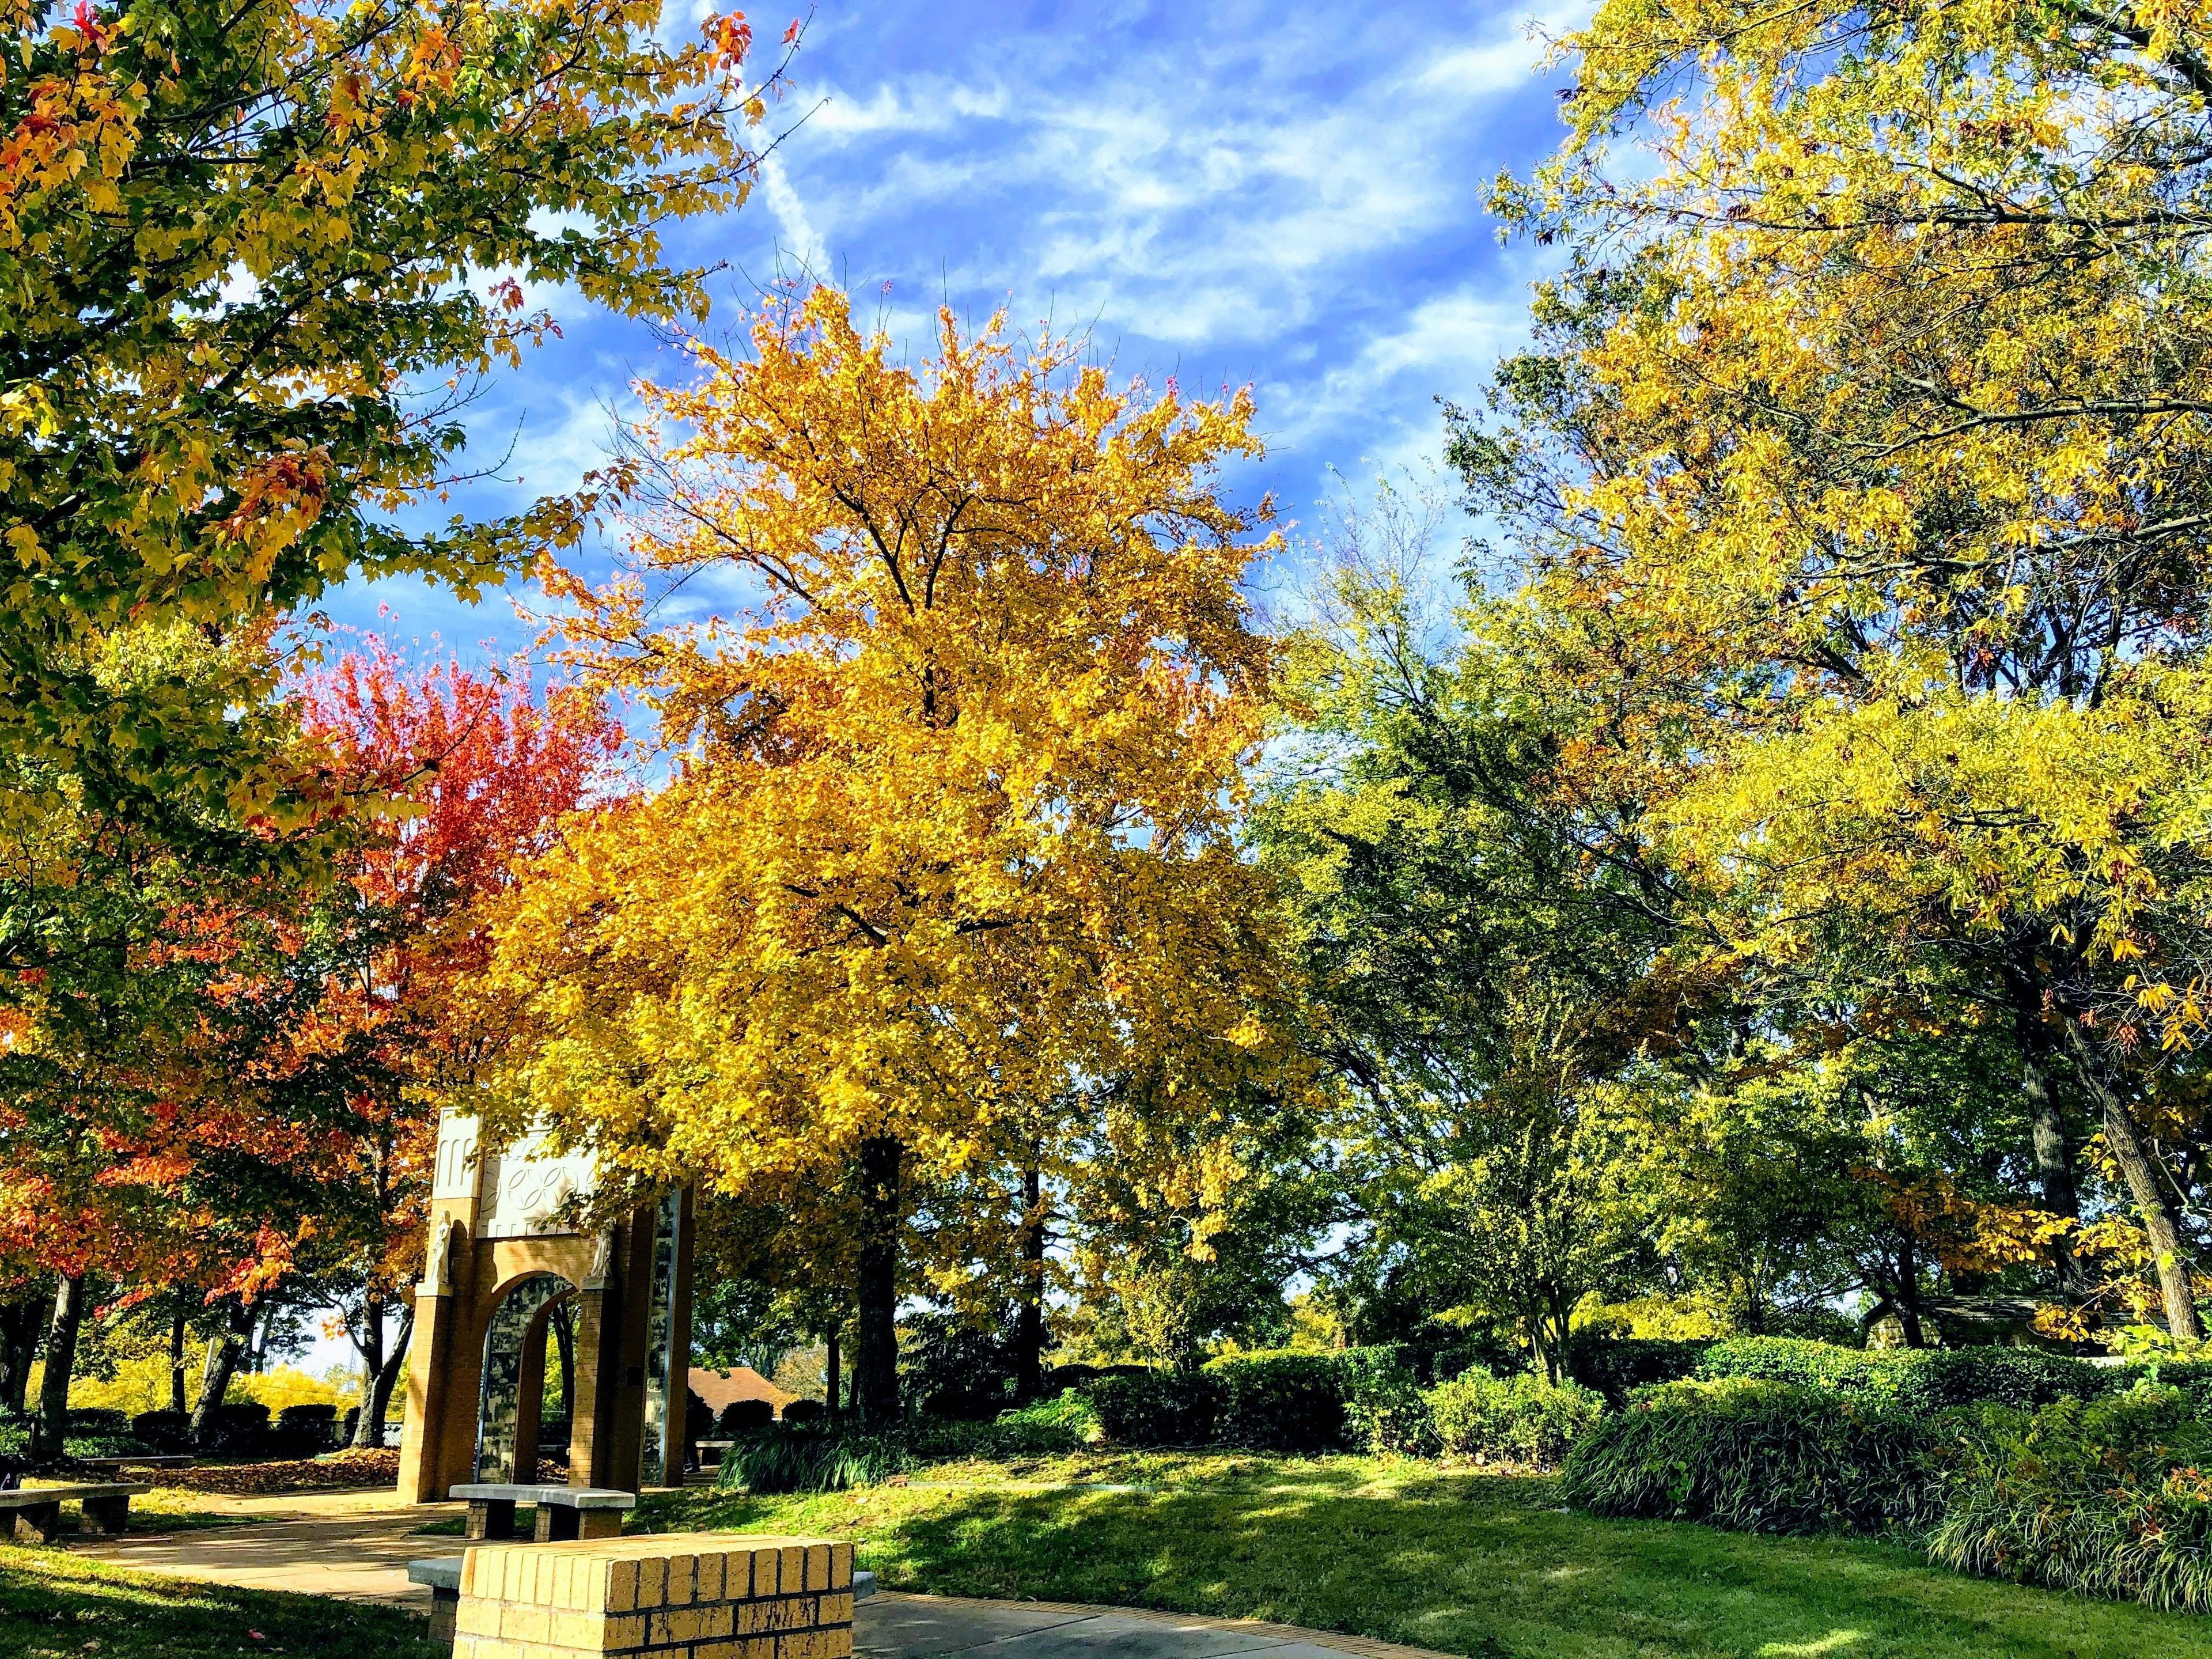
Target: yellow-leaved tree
[1865,468]
[944,875]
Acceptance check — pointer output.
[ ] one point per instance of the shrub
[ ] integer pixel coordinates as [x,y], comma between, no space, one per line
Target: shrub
[307,1428]
[1384,1410]
[239,1426]
[1280,1401]
[163,1430]
[805,1411]
[1616,1367]
[2106,1497]
[1920,1379]
[1518,1419]
[1157,1408]
[744,1416]
[1760,1456]
[1038,1430]
[101,1421]
[783,1459]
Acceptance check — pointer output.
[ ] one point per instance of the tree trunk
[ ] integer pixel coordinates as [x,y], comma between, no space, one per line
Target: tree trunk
[222,1363]
[830,1392]
[52,1429]
[875,1359]
[179,1326]
[2054,1152]
[2154,1205]
[368,1429]
[21,1321]
[368,1343]
[1908,1293]
[564,1341]
[1028,1333]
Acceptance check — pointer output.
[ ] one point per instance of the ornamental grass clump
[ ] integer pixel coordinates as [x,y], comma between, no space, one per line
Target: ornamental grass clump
[784,1458]
[1760,1456]
[2108,1497]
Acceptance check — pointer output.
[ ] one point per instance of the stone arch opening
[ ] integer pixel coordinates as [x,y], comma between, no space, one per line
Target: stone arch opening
[514,1376]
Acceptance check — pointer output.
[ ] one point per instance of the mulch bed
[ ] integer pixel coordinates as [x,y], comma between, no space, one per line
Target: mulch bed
[340,1470]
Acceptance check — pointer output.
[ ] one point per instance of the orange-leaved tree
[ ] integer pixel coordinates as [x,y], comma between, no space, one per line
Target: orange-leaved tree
[457,779]
[946,853]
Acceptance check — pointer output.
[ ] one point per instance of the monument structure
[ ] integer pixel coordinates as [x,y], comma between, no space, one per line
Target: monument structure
[510,1272]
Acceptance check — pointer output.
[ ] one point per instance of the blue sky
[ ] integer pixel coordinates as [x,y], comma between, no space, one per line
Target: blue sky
[1226,192]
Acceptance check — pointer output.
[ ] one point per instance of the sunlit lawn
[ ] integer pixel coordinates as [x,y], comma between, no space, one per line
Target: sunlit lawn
[54,1605]
[1469,1563]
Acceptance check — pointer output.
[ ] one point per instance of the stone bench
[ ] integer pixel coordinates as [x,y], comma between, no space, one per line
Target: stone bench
[563,1512]
[719,1448]
[38,1509]
[152,1460]
[442,1573]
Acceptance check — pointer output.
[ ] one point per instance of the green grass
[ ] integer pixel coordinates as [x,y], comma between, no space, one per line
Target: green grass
[54,1605]
[1479,1564]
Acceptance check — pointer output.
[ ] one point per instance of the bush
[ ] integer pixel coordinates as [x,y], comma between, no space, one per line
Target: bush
[744,1416]
[1760,1456]
[1520,1419]
[99,1420]
[1616,1367]
[1384,1410]
[163,1430]
[783,1459]
[805,1411]
[306,1429]
[239,1426]
[1042,1429]
[1280,1401]
[1157,1408]
[2105,1497]
[1920,1379]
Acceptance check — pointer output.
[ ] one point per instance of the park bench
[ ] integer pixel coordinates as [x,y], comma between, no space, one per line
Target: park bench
[719,1448]
[442,1573]
[38,1509]
[563,1512]
[152,1460]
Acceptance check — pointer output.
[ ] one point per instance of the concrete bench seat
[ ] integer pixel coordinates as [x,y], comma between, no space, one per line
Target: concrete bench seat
[442,1573]
[151,1461]
[563,1512]
[38,1509]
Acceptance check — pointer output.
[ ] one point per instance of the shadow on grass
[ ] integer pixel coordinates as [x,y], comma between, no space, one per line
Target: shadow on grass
[53,1606]
[1469,1565]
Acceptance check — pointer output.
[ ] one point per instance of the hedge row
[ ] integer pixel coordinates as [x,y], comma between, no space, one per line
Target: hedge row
[2107,1496]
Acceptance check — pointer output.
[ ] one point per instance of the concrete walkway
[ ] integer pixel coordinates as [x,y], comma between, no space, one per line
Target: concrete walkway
[356,1545]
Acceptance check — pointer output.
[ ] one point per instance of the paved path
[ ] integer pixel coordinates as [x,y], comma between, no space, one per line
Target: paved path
[358,1545]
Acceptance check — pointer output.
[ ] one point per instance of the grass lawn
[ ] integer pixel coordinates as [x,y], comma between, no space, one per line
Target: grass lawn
[1478,1564]
[54,1605]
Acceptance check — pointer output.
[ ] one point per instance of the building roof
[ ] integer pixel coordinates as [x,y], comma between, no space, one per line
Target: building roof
[719,1389]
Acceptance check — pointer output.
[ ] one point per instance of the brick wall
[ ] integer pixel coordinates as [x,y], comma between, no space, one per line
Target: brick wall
[680,1595]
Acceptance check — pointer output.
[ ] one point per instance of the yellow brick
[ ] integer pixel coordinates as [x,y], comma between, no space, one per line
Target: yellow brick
[835,1609]
[683,1577]
[720,1619]
[576,1630]
[651,1583]
[763,1563]
[710,1578]
[492,1647]
[817,1568]
[476,1617]
[791,1570]
[677,1624]
[519,1624]
[622,1586]
[759,1647]
[796,1645]
[837,1643]
[717,1650]
[841,1566]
